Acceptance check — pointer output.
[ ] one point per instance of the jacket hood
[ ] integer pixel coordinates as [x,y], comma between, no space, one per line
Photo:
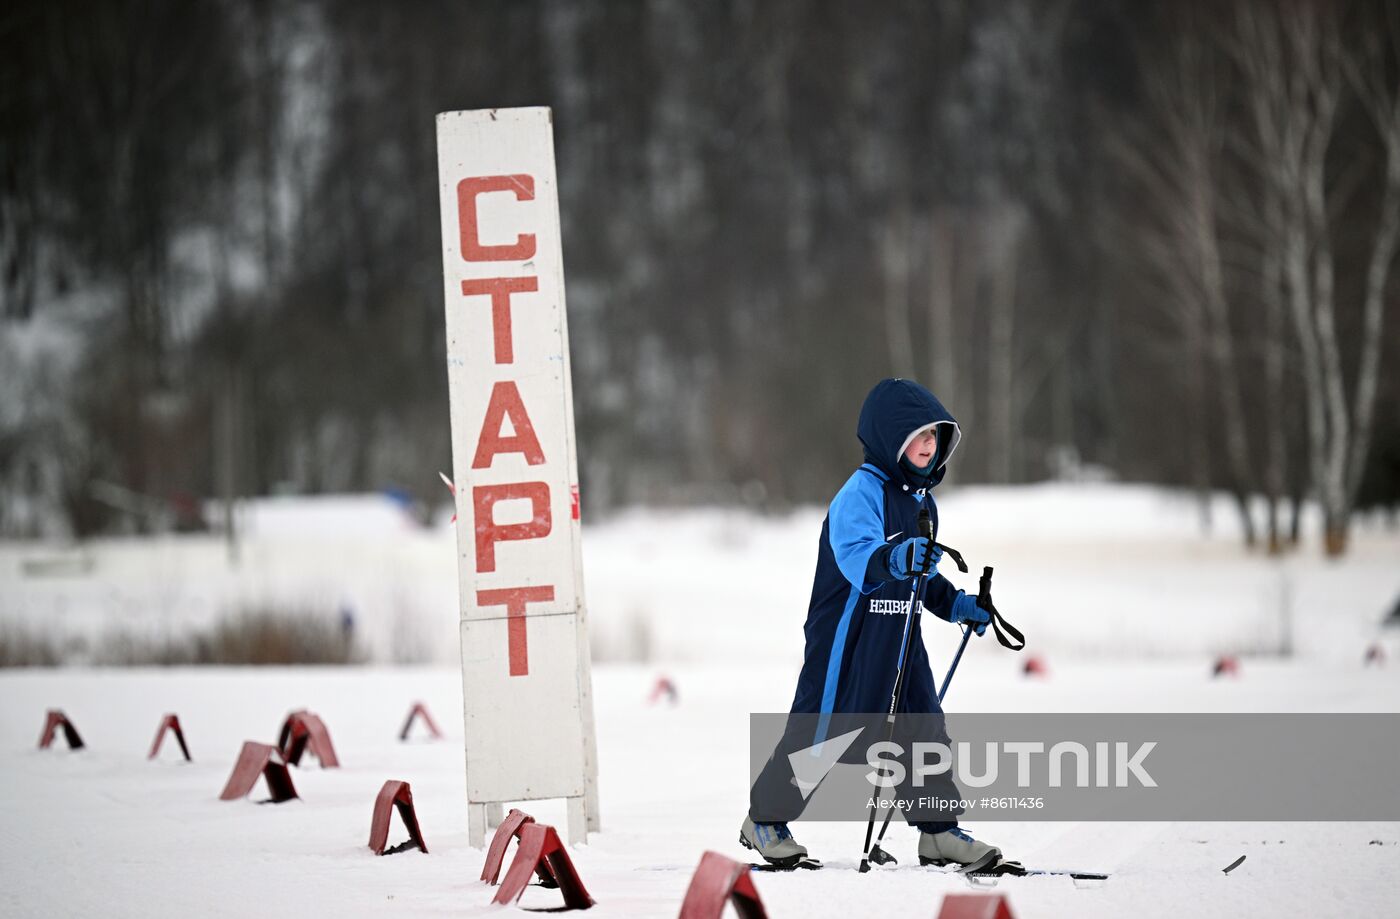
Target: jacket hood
[893,413]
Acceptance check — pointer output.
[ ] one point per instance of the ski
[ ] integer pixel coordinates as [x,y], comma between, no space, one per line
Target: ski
[985,876]
[1009,869]
[802,864]
[1017,870]
[791,863]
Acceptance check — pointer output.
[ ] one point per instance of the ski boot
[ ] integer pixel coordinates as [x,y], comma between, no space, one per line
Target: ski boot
[775,844]
[956,847]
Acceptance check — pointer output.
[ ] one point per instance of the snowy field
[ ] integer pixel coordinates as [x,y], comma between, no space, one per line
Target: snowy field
[1084,570]
[1114,586]
[105,832]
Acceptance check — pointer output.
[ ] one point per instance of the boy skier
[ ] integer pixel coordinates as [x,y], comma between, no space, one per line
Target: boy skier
[871,550]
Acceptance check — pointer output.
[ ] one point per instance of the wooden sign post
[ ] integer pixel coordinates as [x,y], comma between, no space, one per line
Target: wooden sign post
[526,681]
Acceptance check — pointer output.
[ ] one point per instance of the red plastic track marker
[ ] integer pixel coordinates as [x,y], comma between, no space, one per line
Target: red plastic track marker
[540,851]
[259,759]
[718,880]
[393,795]
[170,723]
[54,720]
[420,710]
[304,732]
[496,853]
[975,906]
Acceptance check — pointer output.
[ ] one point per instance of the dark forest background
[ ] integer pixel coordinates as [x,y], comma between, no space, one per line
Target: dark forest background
[1150,241]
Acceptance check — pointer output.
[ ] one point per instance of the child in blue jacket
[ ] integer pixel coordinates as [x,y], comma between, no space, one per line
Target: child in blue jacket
[870,552]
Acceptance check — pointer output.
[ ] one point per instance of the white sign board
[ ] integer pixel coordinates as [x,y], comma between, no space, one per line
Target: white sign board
[525,668]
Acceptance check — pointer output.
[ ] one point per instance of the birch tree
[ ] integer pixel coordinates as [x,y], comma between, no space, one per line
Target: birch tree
[1176,165]
[1296,68]
[1378,88]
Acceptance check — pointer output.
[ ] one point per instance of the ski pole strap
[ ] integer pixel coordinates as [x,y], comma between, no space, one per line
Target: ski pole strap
[998,624]
[955,555]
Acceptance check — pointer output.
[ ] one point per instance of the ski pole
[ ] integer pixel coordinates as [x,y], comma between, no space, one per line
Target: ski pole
[915,597]
[880,856]
[956,657]
[984,589]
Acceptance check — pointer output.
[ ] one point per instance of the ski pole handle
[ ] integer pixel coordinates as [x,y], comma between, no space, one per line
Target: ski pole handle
[926,531]
[1007,634]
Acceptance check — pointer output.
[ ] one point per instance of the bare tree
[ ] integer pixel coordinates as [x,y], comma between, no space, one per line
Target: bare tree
[893,246]
[1004,230]
[1373,77]
[942,264]
[1295,64]
[1177,166]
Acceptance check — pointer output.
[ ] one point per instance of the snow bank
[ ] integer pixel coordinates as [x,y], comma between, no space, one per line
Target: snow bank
[1086,570]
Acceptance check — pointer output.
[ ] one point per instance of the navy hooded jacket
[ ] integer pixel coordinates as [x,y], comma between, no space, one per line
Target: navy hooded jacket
[855,621]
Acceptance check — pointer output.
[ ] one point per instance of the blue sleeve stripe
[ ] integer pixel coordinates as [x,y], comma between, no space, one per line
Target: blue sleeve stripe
[833,665]
[857,527]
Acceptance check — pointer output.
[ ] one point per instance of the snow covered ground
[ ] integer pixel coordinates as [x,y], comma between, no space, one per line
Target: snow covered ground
[105,832]
[1113,586]
[1087,570]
